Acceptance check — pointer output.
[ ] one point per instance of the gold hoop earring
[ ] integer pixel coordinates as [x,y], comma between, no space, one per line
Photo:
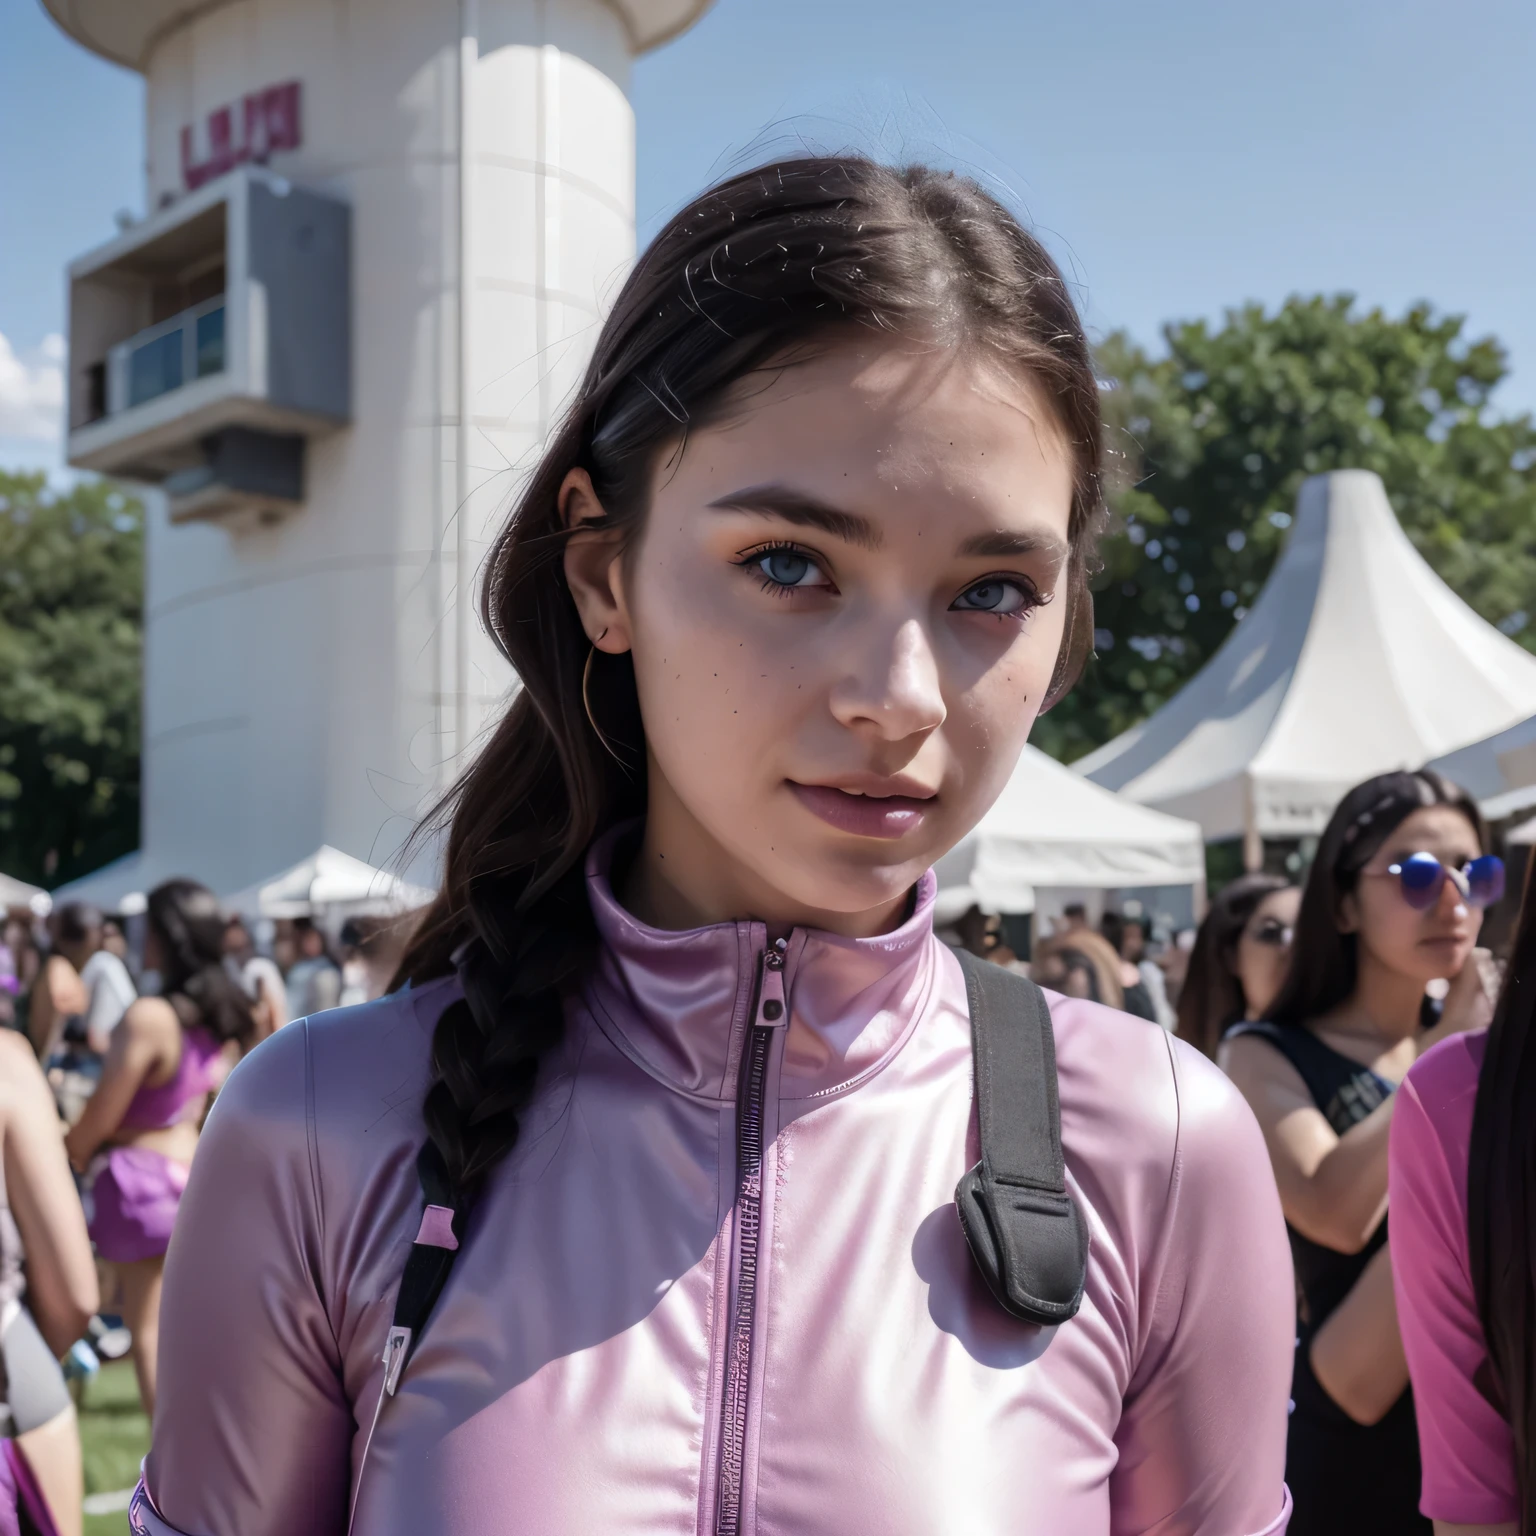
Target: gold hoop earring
[597,730]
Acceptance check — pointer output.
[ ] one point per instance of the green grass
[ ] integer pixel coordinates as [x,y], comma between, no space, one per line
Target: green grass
[114,1433]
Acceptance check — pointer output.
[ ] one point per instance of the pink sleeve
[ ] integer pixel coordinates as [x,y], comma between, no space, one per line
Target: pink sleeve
[252,1430]
[1202,1438]
[1466,1445]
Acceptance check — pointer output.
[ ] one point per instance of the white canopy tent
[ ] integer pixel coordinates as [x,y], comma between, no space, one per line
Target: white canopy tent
[1355,660]
[332,883]
[1499,771]
[17,893]
[1050,827]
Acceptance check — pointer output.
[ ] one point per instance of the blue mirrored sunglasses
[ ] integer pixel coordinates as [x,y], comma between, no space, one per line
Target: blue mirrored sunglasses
[1421,877]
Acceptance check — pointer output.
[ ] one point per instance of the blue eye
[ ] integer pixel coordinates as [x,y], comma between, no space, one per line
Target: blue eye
[789,568]
[994,595]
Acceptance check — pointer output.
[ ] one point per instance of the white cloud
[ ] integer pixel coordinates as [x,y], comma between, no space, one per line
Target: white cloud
[32,391]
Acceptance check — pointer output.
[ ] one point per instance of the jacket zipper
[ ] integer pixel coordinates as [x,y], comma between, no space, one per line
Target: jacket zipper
[767,1016]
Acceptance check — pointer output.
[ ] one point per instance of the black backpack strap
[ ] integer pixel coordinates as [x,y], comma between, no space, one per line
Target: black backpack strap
[1026,1233]
[427,1266]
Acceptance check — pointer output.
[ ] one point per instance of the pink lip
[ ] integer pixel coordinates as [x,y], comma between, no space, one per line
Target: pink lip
[864,815]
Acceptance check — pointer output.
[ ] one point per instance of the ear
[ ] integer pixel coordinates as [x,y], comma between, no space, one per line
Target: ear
[1348,910]
[593,568]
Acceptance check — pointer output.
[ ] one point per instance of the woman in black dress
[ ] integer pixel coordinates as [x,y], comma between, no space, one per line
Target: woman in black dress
[1394,900]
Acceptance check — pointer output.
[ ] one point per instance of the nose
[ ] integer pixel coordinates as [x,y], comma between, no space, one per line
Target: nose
[1453,894]
[895,689]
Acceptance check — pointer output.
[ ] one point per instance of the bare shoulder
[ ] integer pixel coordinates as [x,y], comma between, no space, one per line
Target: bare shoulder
[151,1020]
[1261,1071]
[21,1078]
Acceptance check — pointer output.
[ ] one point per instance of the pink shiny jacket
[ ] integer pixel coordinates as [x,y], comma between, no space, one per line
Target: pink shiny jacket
[635,1339]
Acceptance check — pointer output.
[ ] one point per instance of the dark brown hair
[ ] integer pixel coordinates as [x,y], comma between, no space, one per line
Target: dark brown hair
[1501,1202]
[1211,1000]
[1324,959]
[189,923]
[745,279]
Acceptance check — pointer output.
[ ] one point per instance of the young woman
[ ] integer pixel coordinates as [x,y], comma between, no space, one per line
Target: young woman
[1239,960]
[681,1059]
[139,1129]
[47,1282]
[1463,1190]
[1394,900]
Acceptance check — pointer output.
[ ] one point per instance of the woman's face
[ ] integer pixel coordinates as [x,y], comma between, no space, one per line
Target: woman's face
[1263,950]
[844,609]
[1421,945]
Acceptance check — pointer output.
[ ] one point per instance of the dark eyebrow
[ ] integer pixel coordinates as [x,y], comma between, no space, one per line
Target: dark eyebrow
[797,507]
[1006,544]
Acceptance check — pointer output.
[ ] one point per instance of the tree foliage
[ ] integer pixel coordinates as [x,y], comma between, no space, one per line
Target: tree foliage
[1213,441]
[71,584]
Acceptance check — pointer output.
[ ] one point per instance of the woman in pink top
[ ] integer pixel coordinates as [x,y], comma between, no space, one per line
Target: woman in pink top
[683,1069]
[139,1129]
[1463,1188]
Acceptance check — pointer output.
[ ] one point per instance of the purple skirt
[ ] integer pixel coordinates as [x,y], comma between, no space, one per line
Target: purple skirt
[136,1195]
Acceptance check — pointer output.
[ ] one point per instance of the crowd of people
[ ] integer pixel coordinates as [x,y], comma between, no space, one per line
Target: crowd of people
[1318,1004]
[684,1179]
[112,1053]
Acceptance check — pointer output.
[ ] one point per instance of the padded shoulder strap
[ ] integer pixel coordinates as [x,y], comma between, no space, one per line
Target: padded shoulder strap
[1026,1234]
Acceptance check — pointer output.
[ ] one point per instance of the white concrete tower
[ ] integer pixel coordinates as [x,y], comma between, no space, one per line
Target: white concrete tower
[280,347]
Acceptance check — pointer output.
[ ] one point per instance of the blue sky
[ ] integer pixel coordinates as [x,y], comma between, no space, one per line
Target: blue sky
[1179,158]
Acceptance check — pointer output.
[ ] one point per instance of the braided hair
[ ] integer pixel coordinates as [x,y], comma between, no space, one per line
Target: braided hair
[741,280]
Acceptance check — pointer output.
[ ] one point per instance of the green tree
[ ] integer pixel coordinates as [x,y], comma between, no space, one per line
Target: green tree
[1211,442]
[71,586]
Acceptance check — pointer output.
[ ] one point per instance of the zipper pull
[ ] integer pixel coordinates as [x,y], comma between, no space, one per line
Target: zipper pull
[396,1347]
[770,996]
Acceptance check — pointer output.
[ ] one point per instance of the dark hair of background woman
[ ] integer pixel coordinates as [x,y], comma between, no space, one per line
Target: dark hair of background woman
[1501,1201]
[748,278]
[1324,961]
[1211,1000]
[186,919]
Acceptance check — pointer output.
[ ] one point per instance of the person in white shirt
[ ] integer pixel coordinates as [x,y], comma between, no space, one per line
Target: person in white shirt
[77,936]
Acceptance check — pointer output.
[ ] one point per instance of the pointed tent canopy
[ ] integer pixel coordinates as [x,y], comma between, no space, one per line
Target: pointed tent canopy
[1051,828]
[17,893]
[1499,770]
[1355,660]
[332,880]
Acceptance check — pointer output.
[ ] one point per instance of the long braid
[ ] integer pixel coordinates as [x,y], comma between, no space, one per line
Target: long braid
[514,971]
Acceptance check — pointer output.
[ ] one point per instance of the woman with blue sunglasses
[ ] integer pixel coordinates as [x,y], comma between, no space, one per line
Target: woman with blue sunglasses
[1394,902]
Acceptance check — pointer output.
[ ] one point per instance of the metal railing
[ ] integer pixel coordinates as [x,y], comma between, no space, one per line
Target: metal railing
[188,346]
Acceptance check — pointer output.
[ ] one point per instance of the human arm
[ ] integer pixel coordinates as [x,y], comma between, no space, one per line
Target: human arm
[57,993]
[252,1428]
[61,1274]
[1465,1442]
[148,1033]
[1357,1352]
[1333,1188]
[1202,1435]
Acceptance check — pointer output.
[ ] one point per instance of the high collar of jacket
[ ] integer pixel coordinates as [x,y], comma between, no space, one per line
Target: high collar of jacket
[679,1001]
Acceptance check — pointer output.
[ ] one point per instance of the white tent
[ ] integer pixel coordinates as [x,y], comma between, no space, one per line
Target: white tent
[332,882]
[1356,659]
[1050,827]
[1500,770]
[17,893]
[115,887]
